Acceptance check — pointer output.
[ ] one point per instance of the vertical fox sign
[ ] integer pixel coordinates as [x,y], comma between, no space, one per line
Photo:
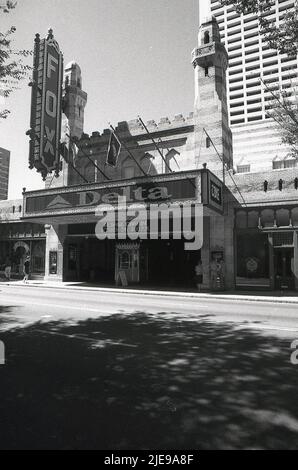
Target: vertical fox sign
[46,106]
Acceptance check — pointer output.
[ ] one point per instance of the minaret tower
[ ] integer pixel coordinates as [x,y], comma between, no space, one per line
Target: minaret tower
[210,61]
[75,100]
[74,103]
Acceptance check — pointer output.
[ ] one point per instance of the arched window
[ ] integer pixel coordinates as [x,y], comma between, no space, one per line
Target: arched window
[206,37]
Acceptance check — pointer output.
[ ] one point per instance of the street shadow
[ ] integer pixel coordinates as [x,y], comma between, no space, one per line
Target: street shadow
[7,318]
[144,381]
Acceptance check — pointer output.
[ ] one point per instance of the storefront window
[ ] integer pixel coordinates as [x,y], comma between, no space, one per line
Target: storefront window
[252,259]
[17,251]
[5,250]
[38,257]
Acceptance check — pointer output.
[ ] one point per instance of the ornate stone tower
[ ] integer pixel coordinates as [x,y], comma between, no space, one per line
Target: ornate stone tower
[210,61]
[74,102]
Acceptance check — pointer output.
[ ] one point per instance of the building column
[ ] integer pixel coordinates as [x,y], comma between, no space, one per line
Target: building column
[54,252]
[295,267]
[205,254]
[271,261]
[229,244]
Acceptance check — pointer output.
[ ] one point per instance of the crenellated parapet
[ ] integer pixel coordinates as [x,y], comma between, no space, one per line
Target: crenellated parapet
[134,128]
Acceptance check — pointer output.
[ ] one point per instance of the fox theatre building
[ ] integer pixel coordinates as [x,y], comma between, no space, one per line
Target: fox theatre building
[144,203]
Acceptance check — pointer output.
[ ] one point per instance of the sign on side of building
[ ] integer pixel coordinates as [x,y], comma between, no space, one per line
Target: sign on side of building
[46,106]
[212,189]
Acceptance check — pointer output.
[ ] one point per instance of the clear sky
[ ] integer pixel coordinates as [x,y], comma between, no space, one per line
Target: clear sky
[135,57]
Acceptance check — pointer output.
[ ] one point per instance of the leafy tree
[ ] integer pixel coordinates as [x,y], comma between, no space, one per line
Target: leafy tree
[12,67]
[284,111]
[284,37]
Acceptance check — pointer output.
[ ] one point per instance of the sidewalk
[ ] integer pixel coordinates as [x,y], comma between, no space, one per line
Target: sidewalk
[269,296]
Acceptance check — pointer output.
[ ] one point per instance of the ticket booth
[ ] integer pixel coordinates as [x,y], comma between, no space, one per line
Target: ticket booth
[127,264]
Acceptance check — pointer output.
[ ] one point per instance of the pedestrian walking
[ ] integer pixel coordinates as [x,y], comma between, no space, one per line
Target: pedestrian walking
[26,269]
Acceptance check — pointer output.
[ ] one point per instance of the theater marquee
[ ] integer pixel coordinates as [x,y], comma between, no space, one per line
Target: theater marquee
[46,106]
[198,186]
[88,197]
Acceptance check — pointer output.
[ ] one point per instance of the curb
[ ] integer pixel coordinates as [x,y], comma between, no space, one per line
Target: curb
[194,295]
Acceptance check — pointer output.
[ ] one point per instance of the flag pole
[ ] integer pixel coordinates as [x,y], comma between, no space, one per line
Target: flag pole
[63,147]
[221,158]
[127,149]
[225,167]
[155,144]
[90,159]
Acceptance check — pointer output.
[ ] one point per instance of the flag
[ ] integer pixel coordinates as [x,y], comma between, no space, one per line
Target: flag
[113,150]
[74,150]
[69,150]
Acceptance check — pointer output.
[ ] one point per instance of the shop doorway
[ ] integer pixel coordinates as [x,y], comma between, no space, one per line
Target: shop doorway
[87,259]
[283,268]
[166,263]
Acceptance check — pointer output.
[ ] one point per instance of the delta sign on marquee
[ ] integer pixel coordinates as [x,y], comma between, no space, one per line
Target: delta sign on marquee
[46,106]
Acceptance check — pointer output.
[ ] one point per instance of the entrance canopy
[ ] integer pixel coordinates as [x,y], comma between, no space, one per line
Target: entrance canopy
[66,205]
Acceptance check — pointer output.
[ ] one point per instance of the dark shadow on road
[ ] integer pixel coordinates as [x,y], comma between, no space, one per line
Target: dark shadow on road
[140,381]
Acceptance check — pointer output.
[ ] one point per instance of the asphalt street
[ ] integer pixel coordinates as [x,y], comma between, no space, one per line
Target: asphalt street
[28,304]
[111,370]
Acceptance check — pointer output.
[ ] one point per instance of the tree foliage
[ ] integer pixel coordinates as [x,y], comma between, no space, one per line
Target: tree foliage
[12,66]
[284,111]
[284,37]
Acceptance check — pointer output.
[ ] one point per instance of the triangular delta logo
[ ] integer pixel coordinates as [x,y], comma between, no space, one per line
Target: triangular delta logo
[58,203]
